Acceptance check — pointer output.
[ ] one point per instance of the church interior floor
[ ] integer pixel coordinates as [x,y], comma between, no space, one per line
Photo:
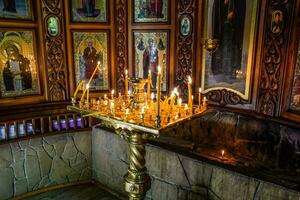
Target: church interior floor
[79,192]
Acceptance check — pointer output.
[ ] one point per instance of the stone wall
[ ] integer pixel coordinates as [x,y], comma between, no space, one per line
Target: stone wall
[262,148]
[42,162]
[175,176]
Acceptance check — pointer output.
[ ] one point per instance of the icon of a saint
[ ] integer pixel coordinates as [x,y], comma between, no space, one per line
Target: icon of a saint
[228,28]
[150,60]
[90,57]
[16,72]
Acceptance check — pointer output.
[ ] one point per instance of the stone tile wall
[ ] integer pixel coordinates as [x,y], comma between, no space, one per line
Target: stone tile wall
[42,162]
[177,177]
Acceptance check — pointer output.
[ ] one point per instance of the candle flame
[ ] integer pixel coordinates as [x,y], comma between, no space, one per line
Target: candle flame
[190,79]
[176,91]
[222,152]
[200,90]
[186,106]
[98,63]
[149,71]
[152,96]
[112,92]
[179,101]
[192,96]
[126,72]
[159,69]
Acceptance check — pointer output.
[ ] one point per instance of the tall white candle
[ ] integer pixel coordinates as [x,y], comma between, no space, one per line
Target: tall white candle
[126,83]
[199,98]
[190,101]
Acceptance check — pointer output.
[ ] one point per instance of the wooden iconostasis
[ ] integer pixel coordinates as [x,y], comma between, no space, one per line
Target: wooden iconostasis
[243,55]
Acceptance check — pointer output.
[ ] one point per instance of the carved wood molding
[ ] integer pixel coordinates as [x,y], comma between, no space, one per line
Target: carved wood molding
[55,58]
[121,42]
[185,45]
[273,56]
[224,97]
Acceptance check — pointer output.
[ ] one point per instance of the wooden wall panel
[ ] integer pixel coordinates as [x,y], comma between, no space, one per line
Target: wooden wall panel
[273,58]
[57,80]
[185,50]
[121,42]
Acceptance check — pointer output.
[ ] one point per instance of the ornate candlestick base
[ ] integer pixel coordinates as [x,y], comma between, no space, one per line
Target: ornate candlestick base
[137,181]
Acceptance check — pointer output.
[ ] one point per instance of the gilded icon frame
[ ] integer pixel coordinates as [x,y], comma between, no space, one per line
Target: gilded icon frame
[164,62]
[103,52]
[19,75]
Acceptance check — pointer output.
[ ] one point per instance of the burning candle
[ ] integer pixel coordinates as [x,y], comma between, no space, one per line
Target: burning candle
[158,85]
[222,152]
[112,107]
[179,105]
[186,108]
[112,94]
[204,103]
[88,92]
[126,83]
[77,89]
[152,97]
[94,72]
[190,101]
[179,102]
[199,99]
[149,85]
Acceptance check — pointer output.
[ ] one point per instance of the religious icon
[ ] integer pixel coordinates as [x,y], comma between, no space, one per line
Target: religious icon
[151,10]
[89,11]
[15,9]
[295,98]
[19,73]
[185,26]
[277,22]
[150,52]
[53,26]
[232,24]
[90,49]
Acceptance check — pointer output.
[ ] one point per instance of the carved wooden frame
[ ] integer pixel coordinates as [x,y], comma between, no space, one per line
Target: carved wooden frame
[273,58]
[55,56]
[185,45]
[121,37]
[291,60]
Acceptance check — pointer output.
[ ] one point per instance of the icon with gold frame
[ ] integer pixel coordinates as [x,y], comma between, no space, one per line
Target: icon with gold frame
[91,48]
[19,73]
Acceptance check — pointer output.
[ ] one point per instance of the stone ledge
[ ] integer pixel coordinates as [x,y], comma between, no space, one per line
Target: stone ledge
[177,176]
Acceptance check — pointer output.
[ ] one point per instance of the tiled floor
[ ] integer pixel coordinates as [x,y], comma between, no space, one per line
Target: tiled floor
[80,192]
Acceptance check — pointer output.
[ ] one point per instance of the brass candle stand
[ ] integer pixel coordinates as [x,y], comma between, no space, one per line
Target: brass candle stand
[136,118]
